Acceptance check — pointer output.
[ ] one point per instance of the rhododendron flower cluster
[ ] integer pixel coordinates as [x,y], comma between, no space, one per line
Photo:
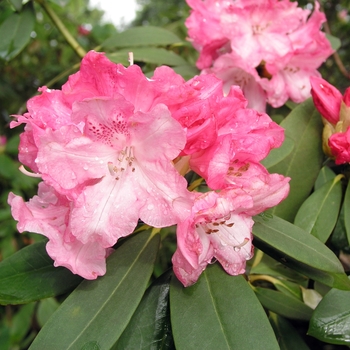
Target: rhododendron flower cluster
[335,111]
[112,148]
[268,47]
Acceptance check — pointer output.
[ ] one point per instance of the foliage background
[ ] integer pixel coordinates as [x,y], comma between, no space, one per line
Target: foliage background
[47,60]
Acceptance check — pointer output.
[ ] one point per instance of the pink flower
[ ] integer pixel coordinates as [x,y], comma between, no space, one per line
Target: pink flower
[220,227]
[112,147]
[275,42]
[105,149]
[327,99]
[48,214]
[335,110]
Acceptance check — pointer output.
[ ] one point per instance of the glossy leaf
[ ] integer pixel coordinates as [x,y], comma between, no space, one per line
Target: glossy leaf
[339,237]
[21,323]
[283,304]
[288,337]
[141,36]
[217,312]
[330,321]
[295,248]
[319,213]
[17,4]
[29,275]
[98,311]
[15,32]
[335,42]
[346,206]
[270,266]
[326,174]
[278,154]
[150,327]
[304,126]
[45,309]
[154,55]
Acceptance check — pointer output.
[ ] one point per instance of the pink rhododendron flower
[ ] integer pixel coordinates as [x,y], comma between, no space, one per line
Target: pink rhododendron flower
[276,43]
[112,147]
[220,228]
[335,110]
[107,152]
[327,99]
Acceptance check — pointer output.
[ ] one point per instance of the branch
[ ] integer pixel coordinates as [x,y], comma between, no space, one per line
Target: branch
[62,28]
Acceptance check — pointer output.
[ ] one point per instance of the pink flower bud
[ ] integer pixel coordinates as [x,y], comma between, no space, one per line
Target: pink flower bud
[327,99]
[346,97]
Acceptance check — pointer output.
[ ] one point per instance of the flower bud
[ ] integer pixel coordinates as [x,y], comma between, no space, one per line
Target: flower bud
[327,99]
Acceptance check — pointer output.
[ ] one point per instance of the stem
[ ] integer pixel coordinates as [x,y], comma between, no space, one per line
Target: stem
[62,28]
[336,56]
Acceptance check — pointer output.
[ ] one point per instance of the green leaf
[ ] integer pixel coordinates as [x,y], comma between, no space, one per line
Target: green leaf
[278,154]
[339,237]
[61,3]
[154,55]
[216,313]
[326,174]
[46,308]
[330,321]
[283,304]
[21,323]
[335,42]
[15,32]
[269,266]
[141,36]
[29,275]
[319,213]
[187,71]
[346,206]
[304,126]
[150,326]
[288,337]
[17,4]
[97,312]
[295,248]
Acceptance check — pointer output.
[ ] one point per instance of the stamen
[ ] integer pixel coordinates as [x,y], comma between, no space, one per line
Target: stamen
[131,58]
[24,171]
[238,247]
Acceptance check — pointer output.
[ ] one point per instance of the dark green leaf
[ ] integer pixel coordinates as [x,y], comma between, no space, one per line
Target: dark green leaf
[150,327]
[319,213]
[299,250]
[330,321]
[346,206]
[288,337]
[304,126]
[339,237]
[21,323]
[335,42]
[283,304]
[30,275]
[141,36]
[4,337]
[15,32]
[269,266]
[278,154]
[17,4]
[61,3]
[326,174]
[97,312]
[186,71]
[154,55]
[46,308]
[217,312]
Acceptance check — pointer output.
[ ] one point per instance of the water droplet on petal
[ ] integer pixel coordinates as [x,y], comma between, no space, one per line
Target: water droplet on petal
[237,249]
[85,167]
[150,206]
